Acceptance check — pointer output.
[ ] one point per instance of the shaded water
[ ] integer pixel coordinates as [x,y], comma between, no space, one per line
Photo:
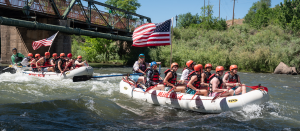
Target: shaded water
[30,103]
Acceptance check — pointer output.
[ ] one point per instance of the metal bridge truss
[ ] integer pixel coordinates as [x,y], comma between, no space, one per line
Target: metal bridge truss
[114,20]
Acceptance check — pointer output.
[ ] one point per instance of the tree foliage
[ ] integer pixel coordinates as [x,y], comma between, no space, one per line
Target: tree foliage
[128,5]
[286,15]
[205,21]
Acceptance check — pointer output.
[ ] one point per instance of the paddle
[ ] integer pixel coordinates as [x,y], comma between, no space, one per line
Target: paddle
[159,68]
[194,95]
[217,96]
[258,87]
[77,79]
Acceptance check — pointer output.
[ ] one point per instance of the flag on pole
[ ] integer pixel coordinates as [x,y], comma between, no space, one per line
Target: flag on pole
[43,42]
[152,34]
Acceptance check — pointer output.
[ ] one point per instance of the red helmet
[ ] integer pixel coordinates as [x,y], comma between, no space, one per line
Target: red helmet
[174,64]
[79,56]
[30,54]
[233,67]
[37,55]
[208,65]
[198,67]
[220,68]
[54,54]
[62,54]
[69,55]
[47,53]
[189,63]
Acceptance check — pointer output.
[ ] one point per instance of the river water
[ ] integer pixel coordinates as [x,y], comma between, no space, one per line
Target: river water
[30,103]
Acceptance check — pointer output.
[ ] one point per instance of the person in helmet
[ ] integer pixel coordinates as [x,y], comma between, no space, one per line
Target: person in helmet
[232,79]
[70,61]
[34,62]
[16,58]
[79,62]
[153,77]
[140,66]
[45,62]
[206,74]
[217,83]
[187,70]
[53,61]
[60,65]
[194,84]
[26,61]
[171,79]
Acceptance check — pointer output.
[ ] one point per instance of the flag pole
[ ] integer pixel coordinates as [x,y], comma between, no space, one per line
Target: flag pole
[52,41]
[171,43]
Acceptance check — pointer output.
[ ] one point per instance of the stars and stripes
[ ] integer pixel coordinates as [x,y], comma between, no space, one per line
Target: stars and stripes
[151,34]
[43,42]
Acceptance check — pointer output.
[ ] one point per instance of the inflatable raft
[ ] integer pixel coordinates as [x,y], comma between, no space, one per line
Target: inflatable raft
[203,104]
[85,72]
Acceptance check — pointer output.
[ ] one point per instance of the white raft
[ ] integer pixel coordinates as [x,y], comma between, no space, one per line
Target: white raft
[201,104]
[84,71]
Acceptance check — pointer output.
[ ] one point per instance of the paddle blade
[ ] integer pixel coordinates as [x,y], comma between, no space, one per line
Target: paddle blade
[81,78]
[259,87]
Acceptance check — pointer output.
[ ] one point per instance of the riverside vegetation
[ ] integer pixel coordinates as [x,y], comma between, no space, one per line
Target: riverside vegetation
[267,37]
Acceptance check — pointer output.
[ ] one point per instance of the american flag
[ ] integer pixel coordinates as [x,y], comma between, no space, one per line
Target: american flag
[43,42]
[151,34]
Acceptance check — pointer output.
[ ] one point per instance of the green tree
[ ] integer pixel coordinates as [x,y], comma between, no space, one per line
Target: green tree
[128,5]
[254,8]
[185,20]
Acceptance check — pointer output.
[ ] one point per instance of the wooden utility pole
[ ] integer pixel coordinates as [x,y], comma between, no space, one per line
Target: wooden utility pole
[219,9]
[233,13]
[208,11]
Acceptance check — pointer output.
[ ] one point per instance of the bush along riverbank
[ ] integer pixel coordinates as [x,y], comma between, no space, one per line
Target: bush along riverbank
[251,49]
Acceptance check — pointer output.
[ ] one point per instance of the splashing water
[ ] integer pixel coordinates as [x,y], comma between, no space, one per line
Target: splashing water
[28,102]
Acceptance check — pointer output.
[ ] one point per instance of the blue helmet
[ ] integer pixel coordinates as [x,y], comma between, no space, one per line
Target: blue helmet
[141,55]
[153,63]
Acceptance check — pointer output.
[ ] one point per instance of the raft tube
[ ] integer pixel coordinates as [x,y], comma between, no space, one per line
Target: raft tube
[84,71]
[203,104]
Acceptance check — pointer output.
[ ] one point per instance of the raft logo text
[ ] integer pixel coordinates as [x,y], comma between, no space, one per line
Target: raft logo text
[232,100]
[172,95]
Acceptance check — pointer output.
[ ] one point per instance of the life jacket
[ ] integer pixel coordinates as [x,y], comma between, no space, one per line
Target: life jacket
[77,66]
[142,67]
[33,64]
[219,78]
[154,76]
[173,79]
[197,83]
[46,62]
[206,79]
[70,65]
[62,65]
[17,58]
[232,79]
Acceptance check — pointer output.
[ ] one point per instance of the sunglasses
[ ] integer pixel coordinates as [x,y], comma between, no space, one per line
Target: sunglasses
[79,58]
[142,57]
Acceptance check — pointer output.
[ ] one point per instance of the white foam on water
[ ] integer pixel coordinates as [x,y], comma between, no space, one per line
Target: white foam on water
[90,105]
[285,86]
[24,114]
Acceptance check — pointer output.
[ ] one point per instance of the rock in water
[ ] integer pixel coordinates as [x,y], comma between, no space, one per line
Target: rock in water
[285,69]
